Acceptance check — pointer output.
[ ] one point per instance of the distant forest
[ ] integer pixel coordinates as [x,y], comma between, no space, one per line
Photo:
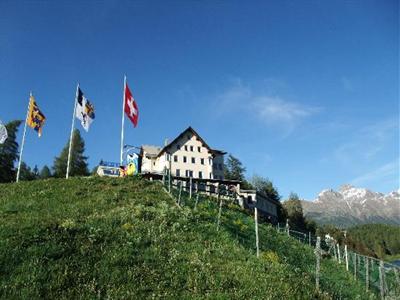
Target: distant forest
[376,240]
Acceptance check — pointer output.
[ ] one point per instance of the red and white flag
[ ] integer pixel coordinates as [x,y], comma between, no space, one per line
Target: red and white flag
[130,107]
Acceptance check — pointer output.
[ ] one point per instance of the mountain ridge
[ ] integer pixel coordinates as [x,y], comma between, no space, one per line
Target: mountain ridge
[350,206]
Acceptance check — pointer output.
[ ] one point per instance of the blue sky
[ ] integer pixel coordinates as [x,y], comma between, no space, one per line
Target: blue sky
[305,93]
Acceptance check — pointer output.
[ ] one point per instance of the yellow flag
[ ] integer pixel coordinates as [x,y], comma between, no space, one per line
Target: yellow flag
[35,117]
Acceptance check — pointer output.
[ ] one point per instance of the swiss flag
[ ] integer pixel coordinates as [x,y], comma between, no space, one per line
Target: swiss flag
[131,108]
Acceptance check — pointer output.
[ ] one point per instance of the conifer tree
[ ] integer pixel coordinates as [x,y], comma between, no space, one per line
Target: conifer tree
[78,164]
[35,172]
[26,173]
[294,211]
[266,187]
[45,172]
[233,169]
[9,152]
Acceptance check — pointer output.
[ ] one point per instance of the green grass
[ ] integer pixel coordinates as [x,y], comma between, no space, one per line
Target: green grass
[126,238]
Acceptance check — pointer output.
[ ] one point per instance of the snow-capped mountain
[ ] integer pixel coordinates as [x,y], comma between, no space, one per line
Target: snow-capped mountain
[352,206]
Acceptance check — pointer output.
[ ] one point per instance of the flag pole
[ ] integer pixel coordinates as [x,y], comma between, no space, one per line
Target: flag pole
[72,131]
[23,138]
[122,125]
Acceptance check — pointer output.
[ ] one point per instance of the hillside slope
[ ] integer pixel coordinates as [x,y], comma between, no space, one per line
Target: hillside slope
[126,238]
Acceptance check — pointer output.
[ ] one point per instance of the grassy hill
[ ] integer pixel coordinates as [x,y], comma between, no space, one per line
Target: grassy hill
[126,238]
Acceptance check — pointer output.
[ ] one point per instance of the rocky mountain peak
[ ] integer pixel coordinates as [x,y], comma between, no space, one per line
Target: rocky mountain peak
[353,205]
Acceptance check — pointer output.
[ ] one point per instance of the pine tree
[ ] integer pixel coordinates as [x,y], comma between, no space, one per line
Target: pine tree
[9,152]
[78,164]
[266,187]
[233,169]
[35,172]
[26,173]
[45,172]
[294,211]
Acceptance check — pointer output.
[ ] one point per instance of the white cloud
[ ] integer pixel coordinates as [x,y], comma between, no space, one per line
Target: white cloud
[278,109]
[275,110]
[385,172]
[367,142]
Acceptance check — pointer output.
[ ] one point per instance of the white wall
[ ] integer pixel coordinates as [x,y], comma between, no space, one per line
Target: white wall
[189,147]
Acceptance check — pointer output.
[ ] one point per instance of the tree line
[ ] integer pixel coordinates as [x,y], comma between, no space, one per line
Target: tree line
[290,210]
[9,155]
[375,240]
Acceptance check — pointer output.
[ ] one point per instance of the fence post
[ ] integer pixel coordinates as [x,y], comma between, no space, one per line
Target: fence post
[190,188]
[169,181]
[366,273]
[180,192]
[256,229]
[338,251]
[163,177]
[197,201]
[334,251]
[381,279]
[309,238]
[220,210]
[346,257]
[355,265]
[317,268]
[287,227]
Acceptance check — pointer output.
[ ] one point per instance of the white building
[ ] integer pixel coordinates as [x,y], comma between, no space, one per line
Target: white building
[188,155]
[190,159]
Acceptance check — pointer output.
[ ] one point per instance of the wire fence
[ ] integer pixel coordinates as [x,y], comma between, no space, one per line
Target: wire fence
[378,277]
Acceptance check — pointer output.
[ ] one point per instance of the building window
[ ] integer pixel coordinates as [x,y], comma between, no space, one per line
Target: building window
[200,174]
[178,147]
[191,148]
[193,160]
[210,161]
[202,161]
[187,173]
[167,156]
[184,159]
[190,173]
[211,176]
[175,158]
[186,148]
[199,149]
[178,172]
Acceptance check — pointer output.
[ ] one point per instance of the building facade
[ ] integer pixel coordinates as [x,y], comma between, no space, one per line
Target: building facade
[188,155]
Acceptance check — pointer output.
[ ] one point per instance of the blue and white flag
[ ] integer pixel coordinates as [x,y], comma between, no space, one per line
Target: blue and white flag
[84,110]
[3,133]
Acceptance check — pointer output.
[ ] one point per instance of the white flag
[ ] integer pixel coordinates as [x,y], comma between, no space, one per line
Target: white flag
[3,133]
[84,110]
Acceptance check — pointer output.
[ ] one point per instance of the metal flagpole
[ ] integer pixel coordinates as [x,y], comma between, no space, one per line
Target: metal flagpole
[72,131]
[23,138]
[122,125]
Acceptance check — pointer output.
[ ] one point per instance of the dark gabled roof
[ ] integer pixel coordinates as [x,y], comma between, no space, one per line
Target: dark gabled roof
[191,130]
